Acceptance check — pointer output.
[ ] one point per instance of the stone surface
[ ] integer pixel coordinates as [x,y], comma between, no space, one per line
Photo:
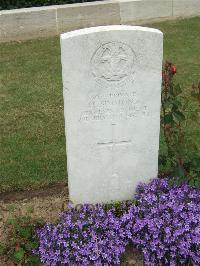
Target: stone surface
[37,22]
[186,8]
[144,10]
[83,15]
[27,23]
[112,84]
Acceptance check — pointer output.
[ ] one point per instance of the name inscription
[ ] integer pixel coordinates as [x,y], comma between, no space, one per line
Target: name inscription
[113,105]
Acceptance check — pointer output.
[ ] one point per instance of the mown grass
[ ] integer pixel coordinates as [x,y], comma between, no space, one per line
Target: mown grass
[32,127]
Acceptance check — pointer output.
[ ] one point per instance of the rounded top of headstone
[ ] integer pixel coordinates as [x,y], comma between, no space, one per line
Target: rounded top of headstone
[90,30]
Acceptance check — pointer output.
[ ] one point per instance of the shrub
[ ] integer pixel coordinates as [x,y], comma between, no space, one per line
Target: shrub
[179,124]
[11,4]
[165,223]
[85,236]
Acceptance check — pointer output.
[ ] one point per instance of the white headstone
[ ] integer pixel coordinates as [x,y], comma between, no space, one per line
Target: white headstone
[112,86]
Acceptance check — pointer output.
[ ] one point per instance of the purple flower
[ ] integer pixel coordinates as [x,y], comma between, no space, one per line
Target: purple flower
[165,226]
[87,236]
[164,223]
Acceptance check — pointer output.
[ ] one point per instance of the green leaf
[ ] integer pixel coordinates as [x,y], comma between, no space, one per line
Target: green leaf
[178,116]
[26,232]
[177,90]
[33,261]
[18,255]
[179,171]
[31,245]
[167,103]
[162,160]
[2,249]
[168,119]
[174,107]
[12,221]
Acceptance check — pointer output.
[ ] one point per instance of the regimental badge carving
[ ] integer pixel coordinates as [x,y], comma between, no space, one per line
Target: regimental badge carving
[113,62]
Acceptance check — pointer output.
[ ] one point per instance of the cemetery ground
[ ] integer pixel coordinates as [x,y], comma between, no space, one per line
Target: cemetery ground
[33,141]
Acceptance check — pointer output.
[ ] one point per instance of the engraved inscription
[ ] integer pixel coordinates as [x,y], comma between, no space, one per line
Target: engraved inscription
[113,105]
[113,143]
[113,61]
[65,89]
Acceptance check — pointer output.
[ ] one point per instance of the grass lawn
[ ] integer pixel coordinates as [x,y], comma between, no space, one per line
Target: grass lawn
[32,127]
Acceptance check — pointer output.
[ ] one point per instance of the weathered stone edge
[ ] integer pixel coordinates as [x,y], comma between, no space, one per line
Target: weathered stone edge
[37,22]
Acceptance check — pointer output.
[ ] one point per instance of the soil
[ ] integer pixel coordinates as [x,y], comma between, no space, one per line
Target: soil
[44,203]
[42,192]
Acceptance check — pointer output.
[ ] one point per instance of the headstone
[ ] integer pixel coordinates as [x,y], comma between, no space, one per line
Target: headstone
[112,86]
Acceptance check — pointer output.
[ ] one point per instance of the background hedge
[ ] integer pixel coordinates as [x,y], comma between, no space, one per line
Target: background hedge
[12,4]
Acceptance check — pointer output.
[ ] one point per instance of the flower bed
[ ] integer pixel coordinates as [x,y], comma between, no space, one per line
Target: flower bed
[164,223]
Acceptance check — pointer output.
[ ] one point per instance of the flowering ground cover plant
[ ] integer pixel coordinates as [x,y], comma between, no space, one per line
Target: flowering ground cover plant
[89,235]
[164,223]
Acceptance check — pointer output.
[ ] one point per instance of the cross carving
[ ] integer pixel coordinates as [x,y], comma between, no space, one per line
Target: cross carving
[113,144]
